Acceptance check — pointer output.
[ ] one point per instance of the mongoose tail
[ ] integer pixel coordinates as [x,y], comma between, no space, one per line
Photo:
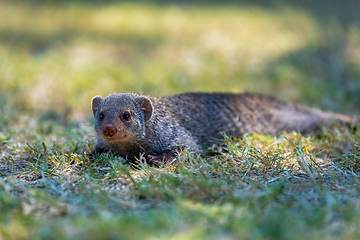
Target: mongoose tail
[306,120]
[345,119]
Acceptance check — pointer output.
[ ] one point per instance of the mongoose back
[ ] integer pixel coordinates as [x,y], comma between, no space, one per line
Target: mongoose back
[131,125]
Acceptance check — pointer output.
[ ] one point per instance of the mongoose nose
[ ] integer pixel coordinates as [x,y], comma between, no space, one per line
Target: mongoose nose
[109,130]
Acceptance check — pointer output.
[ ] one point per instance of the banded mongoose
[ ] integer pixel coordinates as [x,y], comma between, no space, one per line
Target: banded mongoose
[131,125]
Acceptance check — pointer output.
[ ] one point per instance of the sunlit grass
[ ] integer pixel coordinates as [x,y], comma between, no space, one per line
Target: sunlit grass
[253,188]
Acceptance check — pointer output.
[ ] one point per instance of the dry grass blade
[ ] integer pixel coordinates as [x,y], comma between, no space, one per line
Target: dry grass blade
[301,159]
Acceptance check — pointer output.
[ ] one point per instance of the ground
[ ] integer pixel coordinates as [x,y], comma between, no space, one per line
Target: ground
[55,56]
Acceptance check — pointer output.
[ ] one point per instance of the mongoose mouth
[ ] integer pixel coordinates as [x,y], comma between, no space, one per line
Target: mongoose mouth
[116,138]
[112,134]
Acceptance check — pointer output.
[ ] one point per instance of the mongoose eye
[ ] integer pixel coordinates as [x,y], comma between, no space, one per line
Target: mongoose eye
[126,116]
[101,116]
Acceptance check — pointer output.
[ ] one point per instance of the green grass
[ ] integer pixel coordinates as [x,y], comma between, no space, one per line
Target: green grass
[55,56]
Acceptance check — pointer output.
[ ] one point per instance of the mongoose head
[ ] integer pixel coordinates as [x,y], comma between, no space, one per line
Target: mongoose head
[121,117]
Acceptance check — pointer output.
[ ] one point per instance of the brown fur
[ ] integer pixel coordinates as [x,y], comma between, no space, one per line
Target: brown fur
[130,125]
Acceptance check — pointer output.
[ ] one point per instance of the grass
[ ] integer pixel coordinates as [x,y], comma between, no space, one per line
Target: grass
[54,57]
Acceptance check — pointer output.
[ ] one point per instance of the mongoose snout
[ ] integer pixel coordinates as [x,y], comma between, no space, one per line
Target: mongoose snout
[109,130]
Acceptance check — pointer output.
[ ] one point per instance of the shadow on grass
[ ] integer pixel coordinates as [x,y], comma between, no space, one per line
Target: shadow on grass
[322,76]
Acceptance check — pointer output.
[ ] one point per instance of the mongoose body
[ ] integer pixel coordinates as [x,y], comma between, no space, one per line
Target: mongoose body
[131,125]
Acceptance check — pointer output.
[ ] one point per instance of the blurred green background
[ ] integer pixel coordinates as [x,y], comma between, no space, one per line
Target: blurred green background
[56,55]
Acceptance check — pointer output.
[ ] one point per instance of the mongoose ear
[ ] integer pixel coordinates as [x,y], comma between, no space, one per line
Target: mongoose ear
[95,103]
[147,107]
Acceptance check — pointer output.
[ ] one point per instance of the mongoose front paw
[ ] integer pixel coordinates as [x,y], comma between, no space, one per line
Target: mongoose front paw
[153,160]
[158,160]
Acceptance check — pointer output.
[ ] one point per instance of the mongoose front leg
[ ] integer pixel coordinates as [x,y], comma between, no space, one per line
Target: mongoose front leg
[165,157]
